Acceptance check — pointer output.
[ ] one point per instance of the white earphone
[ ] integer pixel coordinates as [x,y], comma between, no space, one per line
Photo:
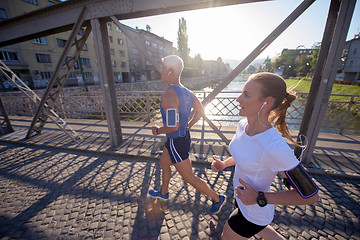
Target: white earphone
[259,114]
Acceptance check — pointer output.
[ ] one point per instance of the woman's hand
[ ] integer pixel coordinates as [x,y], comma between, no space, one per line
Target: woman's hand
[217,165]
[246,193]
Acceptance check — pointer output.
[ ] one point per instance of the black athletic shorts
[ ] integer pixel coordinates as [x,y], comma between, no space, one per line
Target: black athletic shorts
[178,148]
[239,224]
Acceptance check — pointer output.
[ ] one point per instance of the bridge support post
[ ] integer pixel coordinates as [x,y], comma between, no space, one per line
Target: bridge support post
[327,78]
[107,82]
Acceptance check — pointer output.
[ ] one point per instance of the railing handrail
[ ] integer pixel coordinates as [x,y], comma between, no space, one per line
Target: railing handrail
[144,105]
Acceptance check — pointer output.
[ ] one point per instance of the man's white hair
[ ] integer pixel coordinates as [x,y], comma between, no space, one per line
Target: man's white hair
[175,63]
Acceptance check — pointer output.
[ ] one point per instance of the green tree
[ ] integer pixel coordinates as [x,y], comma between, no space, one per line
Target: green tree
[220,66]
[198,64]
[183,48]
[286,62]
[304,65]
[316,48]
[267,65]
[195,68]
[251,69]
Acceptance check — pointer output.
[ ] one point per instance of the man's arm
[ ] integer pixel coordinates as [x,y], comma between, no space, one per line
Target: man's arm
[169,99]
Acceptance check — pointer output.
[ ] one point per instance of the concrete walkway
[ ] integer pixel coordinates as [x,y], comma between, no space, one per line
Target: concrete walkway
[51,188]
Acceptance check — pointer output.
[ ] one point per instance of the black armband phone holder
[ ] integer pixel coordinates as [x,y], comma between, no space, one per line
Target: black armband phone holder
[301,181]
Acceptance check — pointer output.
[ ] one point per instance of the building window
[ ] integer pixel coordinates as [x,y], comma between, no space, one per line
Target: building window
[135,62]
[354,51]
[123,64]
[154,45]
[81,32]
[161,47]
[147,43]
[112,51]
[118,29]
[46,75]
[2,14]
[351,63]
[121,53]
[109,25]
[43,58]
[9,56]
[148,52]
[85,47]
[88,74]
[31,1]
[120,41]
[135,51]
[72,75]
[111,39]
[61,42]
[148,63]
[114,63]
[41,40]
[85,61]
[50,3]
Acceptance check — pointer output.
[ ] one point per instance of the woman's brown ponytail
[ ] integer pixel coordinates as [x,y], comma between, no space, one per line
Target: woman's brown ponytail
[278,116]
[275,86]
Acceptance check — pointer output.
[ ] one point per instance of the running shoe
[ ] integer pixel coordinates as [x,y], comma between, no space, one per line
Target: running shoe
[156,194]
[216,206]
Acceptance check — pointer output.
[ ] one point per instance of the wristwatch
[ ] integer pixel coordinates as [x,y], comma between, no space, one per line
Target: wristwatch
[261,200]
[156,131]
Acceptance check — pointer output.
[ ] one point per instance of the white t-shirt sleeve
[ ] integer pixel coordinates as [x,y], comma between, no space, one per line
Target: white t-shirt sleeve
[282,158]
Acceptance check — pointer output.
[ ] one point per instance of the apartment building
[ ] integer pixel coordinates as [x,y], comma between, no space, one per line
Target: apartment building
[157,47]
[11,55]
[119,53]
[351,58]
[35,61]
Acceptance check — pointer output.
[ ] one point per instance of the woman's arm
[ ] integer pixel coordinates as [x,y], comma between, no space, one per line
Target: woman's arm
[219,165]
[248,196]
[289,197]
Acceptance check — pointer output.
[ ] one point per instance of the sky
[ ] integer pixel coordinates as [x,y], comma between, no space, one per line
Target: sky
[233,32]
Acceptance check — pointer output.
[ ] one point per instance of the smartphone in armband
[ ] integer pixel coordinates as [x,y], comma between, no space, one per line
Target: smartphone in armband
[172,117]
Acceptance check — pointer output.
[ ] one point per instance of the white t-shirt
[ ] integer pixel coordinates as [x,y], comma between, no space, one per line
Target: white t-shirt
[258,160]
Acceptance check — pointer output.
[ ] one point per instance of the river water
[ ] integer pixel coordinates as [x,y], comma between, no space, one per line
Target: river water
[229,116]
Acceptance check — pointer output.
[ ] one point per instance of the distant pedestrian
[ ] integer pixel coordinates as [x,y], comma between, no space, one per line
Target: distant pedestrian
[259,151]
[176,104]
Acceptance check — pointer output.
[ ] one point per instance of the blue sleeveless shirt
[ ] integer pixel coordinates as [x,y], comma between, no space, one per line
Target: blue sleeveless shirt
[186,101]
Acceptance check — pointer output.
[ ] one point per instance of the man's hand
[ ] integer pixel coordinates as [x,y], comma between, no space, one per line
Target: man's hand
[155,129]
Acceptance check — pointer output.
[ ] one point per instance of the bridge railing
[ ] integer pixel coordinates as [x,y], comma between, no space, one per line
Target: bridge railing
[341,115]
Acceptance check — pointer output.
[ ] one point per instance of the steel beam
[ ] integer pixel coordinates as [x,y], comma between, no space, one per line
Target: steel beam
[61,17]
[318,72]
[50,96]
[107,82]
[5,125]
[6,71]
[330,70]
